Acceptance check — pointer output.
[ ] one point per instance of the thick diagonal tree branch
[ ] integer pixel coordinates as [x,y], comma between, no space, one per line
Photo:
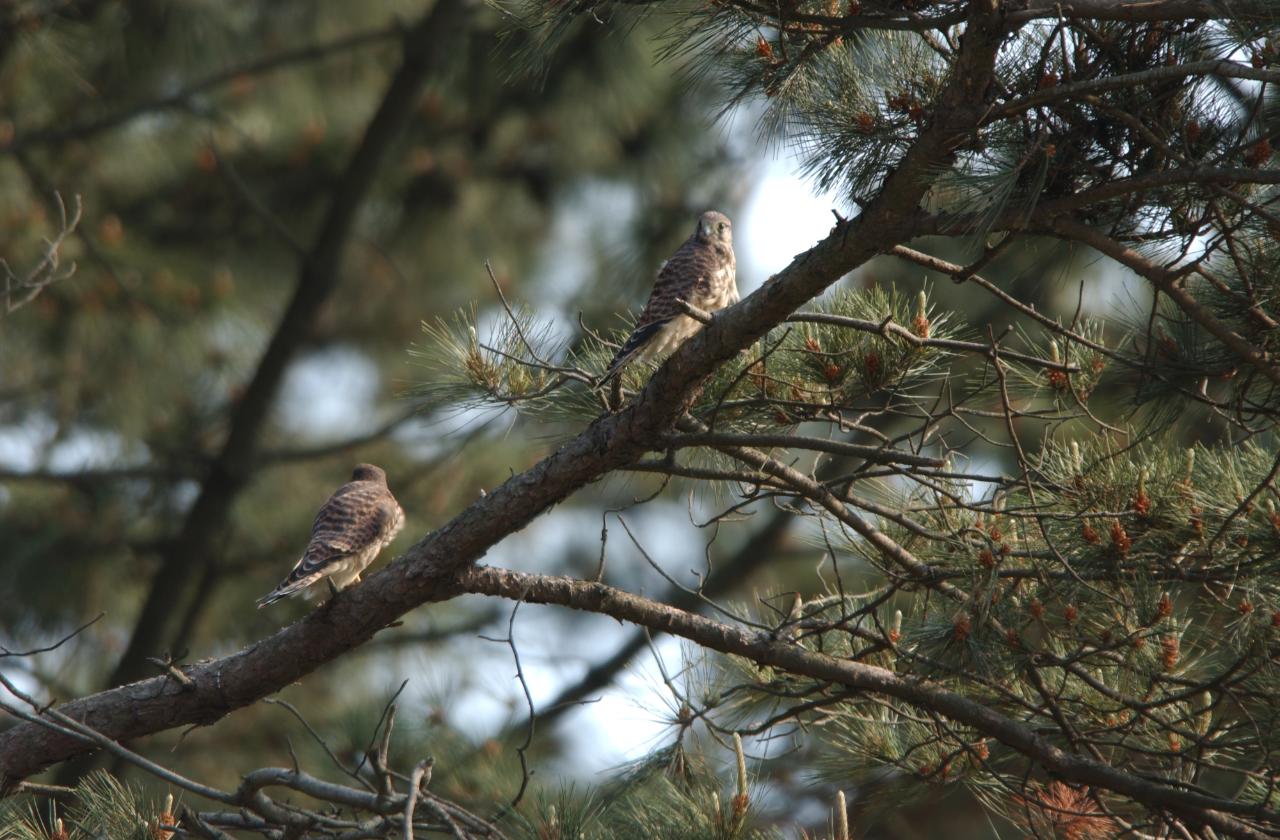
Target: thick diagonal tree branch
[424,54]
[608,443]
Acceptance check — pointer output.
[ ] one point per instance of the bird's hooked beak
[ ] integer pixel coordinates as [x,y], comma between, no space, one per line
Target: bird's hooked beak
[713,229]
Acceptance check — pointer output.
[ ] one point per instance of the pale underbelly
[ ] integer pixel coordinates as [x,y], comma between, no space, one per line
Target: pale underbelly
[682,327]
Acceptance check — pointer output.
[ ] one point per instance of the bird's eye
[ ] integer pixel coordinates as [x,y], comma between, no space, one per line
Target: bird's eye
[722,227]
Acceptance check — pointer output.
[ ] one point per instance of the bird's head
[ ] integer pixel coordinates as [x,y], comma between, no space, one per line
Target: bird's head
[368,472]
[714,226]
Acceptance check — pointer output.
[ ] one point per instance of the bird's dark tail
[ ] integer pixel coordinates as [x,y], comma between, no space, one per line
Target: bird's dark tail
[294,584]
[267,600]
[634,343]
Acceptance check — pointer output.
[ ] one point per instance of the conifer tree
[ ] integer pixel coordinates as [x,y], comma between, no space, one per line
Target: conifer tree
[1042,533]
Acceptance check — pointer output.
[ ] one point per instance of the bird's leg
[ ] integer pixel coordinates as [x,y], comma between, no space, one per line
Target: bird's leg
[333,593]
[615,394]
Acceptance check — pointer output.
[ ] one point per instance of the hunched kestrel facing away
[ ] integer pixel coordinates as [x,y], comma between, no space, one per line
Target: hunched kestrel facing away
[701,272]
[357,522]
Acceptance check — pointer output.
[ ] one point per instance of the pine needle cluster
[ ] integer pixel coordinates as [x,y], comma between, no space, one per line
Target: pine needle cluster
[103,807]
[834,358]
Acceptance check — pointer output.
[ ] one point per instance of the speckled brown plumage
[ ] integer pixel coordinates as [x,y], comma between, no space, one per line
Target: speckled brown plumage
[357,522]
[702,272]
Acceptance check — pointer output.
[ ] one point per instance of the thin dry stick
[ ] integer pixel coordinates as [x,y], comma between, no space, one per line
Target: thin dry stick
[421,773]
[523,749]
[46,271]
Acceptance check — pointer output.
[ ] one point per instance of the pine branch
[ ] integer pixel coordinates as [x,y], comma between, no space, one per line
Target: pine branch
[1225,815]
[609,443]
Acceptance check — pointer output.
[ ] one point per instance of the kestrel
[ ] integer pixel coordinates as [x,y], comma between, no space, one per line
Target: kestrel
[357,522]
[701,272]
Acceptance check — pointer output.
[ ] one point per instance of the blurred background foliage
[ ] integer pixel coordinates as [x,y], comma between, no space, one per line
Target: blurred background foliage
[204,140]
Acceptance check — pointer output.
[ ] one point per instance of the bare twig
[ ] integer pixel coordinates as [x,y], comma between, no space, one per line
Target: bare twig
[5,652]
[420,776]
[523,749]
[20,290]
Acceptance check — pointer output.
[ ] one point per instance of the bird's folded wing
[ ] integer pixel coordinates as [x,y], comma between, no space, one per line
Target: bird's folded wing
[638,338]
[353,518]
[677,280]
